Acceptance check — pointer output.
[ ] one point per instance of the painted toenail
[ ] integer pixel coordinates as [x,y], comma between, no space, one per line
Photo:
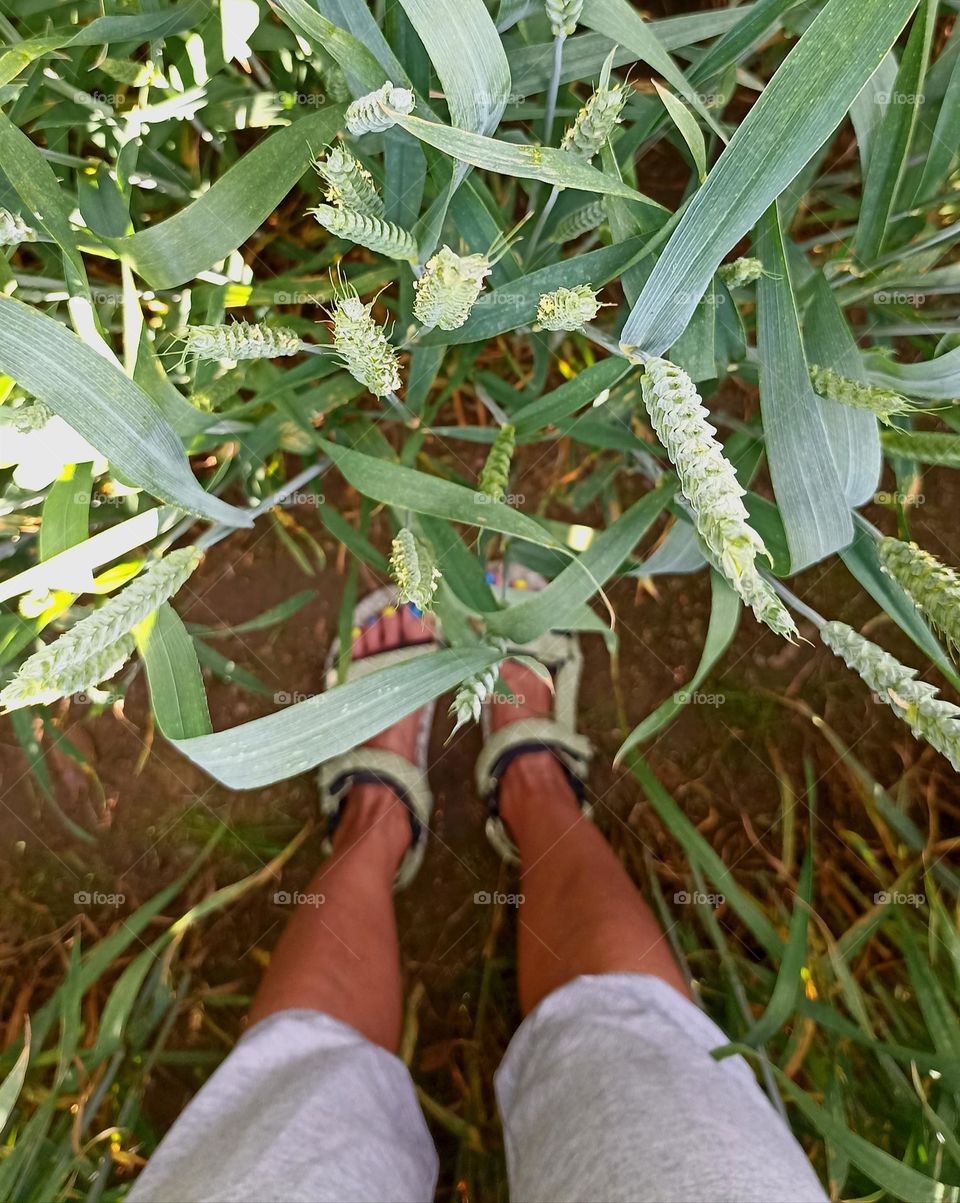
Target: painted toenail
[520,583]
[490,578]
[371,622]
[389,611]
[415,610]
[355,633]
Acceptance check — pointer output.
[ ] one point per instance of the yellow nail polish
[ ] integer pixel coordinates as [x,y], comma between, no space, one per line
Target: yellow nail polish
[389,611]
[520,583]
[355,633]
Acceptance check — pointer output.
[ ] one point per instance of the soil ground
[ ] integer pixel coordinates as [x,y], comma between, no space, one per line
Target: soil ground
[726,758]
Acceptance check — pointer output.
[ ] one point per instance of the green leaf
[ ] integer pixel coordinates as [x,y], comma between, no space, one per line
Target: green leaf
[304,735]
[348,51]
[891,147]
[177,695]
[798,110]
[408,489]
[550,608]
[935,380]
[561,402]
[223,218]
[545,163]
[468,56]
[851,434]
[66,511]
[105,406]
[724,620]
[691,133]
[815,513]
[13,1082]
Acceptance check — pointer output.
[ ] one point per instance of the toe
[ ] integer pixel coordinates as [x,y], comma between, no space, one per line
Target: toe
[415,627]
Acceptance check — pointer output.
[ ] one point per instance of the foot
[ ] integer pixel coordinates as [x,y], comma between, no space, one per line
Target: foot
[373,813]
[534,774]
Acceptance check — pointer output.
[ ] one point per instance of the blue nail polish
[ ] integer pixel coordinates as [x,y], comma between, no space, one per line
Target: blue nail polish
[490,578]
[414,610]
[371,622]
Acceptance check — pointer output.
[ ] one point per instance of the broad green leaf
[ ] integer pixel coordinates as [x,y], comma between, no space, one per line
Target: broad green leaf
[622,23]
[465,48]
[223,218]
[891,146]
[351,53]
[945,138]
[934,380]
[724,620]
[304,735]
[691,133]
[584,389]
[851,434]
[544,163]
[579,581]
[177,696]
[407,489]
[13,1082]
[105,406]
[814,511]
[66,511]
[796,113]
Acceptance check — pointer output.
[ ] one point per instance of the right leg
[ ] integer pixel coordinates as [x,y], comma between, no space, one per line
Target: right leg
[608,1091]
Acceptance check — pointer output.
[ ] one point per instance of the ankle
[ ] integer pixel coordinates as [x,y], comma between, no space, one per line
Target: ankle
[375,819]
[533,783]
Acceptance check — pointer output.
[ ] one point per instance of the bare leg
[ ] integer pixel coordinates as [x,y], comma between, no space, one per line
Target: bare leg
[581,913]
[340,955]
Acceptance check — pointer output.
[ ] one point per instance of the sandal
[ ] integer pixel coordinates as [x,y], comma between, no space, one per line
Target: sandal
[559,652]
[407,779]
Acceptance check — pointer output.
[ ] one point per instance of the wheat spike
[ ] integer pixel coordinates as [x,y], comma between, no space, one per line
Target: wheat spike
[710,485]
[927,447]
[370,114]
[932,587]
[32,415]
[414,570]
[881,401]
[240,340]
[568,308]
[363,345]
[928,716]
[580,221]
[598,118]
[448,288]
[372,232]
[495,475]
[14,230]
[563,16]
[349,183]
[468,701]
[740,272]
[72,662]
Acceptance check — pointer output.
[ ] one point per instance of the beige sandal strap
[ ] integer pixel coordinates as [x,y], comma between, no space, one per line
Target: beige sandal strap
[336,777]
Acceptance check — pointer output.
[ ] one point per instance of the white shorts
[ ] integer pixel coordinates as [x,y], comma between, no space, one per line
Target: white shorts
[607,1092]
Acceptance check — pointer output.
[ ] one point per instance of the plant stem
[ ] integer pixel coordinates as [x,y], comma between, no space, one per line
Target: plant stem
[792,600]
[554,88]
[541,222]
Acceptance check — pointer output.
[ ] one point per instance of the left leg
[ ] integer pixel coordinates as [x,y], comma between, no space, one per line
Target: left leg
[312,1104]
